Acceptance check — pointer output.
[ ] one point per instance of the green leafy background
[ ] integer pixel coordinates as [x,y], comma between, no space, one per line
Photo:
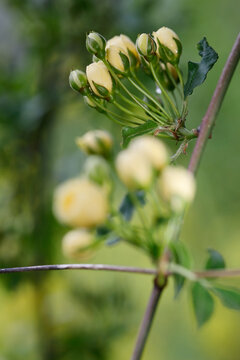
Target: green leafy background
[67,316]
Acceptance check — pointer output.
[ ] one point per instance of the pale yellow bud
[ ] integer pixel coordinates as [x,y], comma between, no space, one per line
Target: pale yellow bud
[153,149]
[177,186]
[117,57]
[89,102]
[125,43]
[133,169]
[79,202]
[95,142]
[166,37]
[98,73]
[76,244]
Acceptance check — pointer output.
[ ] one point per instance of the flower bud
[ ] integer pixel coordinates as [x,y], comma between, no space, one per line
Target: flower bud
[97,170]
[128,46]
[99,79]
[78,81]
[76,244]
[166,37]
[118,58]
[133,169]
[95,44]
[89,102]
[177,186]
[146,46]
[80,203]
[97,142]
[153,149]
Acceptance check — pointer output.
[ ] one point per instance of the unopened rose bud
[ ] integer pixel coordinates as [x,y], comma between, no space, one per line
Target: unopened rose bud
[177,187]
[134,170]
[97,170]
[96,142]
[78,244]
[146,46]
[95,44]
[166,37]
[118,59]
[153,149]
[128,46]
[99,79]
[80,203]
[78,81]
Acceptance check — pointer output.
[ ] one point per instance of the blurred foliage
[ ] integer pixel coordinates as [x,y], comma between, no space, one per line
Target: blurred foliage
[40,42]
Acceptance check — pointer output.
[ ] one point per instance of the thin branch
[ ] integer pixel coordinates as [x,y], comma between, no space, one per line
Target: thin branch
[215,104]
[206,127]
[147,320]
[218,273]
[100,267]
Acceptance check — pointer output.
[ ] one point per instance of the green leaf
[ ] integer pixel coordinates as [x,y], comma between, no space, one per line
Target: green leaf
[215,260]
[128,133]
[181,257]
[203,303]
[197,72]
[127,207]
[229,297]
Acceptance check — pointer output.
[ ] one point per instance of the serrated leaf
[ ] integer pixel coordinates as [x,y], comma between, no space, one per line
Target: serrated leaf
[197,72]
[215,260]
[127,207]
[229,297]
[128,133]
[203,303]
[181,257]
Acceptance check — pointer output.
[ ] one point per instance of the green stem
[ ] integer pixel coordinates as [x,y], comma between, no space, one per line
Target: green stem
[142,89]
[128,111]
[129,93]
[165,94]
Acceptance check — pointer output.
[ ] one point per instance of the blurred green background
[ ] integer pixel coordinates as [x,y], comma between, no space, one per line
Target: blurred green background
[90,316]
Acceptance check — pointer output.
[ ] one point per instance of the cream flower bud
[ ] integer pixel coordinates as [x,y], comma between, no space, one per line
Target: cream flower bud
[97,170]
[99,79]
[79,202]
[177,186]
[97,142]
[76,244]
[146,46]
[133,169]
[166,37]
[78,81]
[128,46]
[95,44]
[118,58]
[151,148]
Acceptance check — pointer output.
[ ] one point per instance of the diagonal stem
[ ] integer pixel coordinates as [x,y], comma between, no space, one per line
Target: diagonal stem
[147,320]
[215,104]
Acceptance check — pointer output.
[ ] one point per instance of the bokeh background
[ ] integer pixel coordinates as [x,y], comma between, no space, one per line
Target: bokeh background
[95,316]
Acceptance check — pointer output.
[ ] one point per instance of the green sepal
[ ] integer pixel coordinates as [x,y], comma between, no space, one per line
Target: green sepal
[102,90]
[125,61]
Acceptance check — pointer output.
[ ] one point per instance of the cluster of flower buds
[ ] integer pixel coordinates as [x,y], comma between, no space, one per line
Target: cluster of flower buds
[118,59]
[87,203]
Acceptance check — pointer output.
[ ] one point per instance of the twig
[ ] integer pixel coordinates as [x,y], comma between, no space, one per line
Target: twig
[99,267]
[147,320]
[206,127]
[215,104]
[218,273]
